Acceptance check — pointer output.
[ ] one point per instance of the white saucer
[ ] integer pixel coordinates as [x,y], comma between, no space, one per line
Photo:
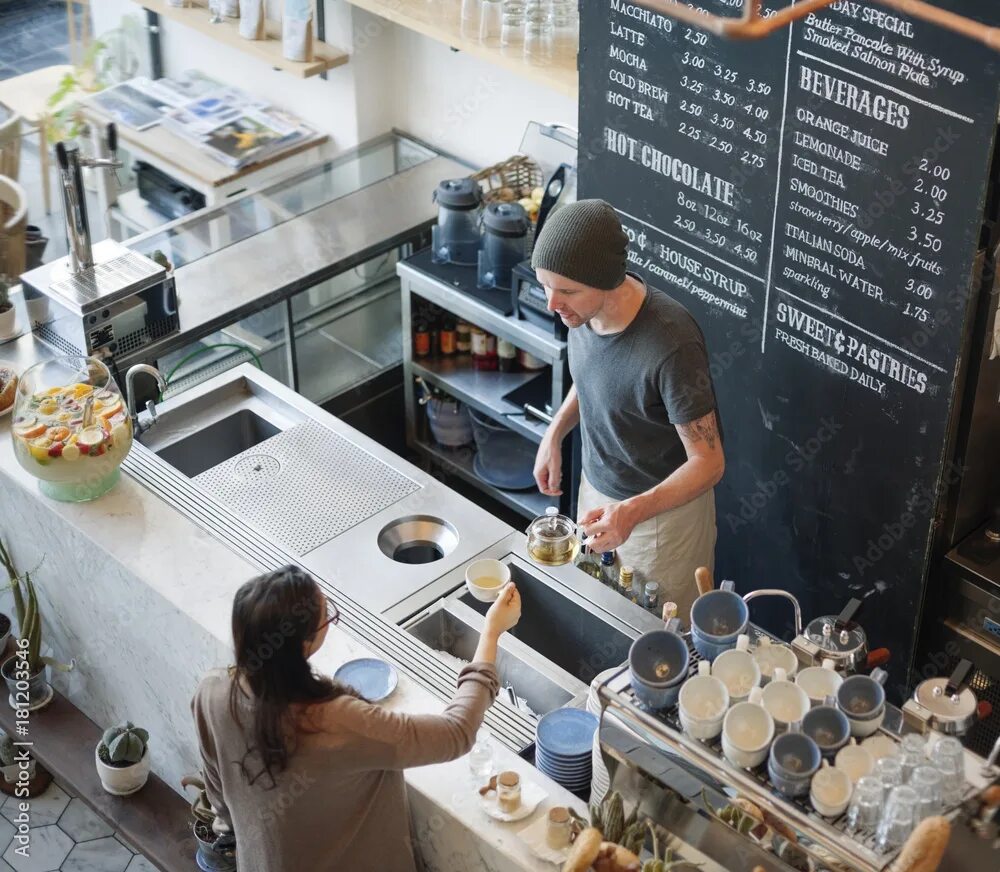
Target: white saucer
[36,704]
[531,795]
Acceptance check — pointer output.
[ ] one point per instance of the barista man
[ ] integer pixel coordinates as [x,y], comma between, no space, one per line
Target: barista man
[643,397]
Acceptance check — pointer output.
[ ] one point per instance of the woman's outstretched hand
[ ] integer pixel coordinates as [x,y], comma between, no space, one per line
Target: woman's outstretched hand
[505,612]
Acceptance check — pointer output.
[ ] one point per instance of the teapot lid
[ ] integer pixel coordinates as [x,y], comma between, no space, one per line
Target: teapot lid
[552,526]
[825,633]
[946,708]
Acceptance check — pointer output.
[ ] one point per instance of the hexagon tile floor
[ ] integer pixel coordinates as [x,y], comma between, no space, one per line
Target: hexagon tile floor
[66,836]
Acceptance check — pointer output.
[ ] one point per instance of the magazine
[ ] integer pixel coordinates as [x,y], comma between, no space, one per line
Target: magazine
[138,103]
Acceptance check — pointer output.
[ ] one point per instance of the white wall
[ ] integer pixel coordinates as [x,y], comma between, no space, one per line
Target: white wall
[395,78]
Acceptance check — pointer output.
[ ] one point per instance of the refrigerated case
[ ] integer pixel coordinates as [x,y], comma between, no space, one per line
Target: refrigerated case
[311,296]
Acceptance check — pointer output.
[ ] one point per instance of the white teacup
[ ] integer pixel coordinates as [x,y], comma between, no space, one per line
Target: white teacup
[747,731]
[819,682]
[786,702]
[738,670]
[770,657]
[830,791]
[856,762]
[702,704]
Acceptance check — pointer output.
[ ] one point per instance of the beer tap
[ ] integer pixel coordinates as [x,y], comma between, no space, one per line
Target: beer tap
[74,197]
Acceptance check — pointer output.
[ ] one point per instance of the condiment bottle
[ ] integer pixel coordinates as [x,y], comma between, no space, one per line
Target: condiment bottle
[625,576]
[491,361]
[463,338]
[478,347]
[608,574]
[421,339]
[669,611]
[651,596]
[507,354]
[447,339]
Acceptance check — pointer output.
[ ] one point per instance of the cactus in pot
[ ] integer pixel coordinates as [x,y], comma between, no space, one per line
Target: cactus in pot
[123,758]
[27,659]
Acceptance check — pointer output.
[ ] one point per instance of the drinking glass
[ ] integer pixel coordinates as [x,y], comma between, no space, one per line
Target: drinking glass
[490,21]
[481,757]
[910,759]
[866,804]
[538,38]
[512,31]
[913,742]
[949,757]
[926,781]
[889,771]
[898,820]
[471,20]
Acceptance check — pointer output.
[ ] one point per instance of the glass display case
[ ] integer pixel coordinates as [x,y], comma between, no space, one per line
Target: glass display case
[333,329]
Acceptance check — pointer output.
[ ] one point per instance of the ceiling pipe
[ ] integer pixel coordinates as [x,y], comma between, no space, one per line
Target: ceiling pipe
[752,25]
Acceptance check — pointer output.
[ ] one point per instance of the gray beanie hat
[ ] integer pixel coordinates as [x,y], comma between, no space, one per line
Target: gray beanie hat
[584,242]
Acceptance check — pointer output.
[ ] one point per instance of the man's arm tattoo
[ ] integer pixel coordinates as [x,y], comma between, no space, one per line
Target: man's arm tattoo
[702,429]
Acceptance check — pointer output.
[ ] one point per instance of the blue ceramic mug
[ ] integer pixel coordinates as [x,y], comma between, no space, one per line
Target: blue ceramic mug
[717,619]
[828,727]
[658,665]
[793,761]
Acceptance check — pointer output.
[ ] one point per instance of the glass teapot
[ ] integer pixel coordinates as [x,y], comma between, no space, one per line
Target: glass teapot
[71,429]
[552,539]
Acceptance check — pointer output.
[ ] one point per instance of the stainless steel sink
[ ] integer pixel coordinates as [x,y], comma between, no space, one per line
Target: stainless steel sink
[218,442]
[455,630]
[333,499]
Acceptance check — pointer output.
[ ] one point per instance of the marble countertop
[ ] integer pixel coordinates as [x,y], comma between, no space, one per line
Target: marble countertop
[139,531]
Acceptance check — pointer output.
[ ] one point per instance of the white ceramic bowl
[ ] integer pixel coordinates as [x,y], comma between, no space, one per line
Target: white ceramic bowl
[786,702]
[702,704]
[855,761]
[830,791]
[747,731]
[819,682]
[493,571]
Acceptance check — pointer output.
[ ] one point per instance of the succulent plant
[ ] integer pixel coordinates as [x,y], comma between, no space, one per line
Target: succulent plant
[29,617]
[123,745]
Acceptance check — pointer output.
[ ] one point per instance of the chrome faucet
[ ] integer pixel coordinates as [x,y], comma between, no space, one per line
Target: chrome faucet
[75,199]
[767,591]
[138,428]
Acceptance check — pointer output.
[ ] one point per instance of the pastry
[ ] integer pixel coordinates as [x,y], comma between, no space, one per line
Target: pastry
[8,387]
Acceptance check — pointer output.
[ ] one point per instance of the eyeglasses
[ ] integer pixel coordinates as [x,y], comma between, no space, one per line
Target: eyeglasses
[332,616]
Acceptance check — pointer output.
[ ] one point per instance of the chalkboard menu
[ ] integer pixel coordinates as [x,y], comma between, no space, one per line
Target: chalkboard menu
[815,199]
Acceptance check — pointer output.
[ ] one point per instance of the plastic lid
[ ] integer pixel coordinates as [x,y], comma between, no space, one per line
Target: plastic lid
[651,587]
[607,557]
[506,219]
[552,526]
[459,194]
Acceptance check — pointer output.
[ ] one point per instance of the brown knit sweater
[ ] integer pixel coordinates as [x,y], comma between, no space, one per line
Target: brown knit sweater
[341,802]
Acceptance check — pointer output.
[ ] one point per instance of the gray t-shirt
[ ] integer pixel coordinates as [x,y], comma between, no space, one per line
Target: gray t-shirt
[634,387]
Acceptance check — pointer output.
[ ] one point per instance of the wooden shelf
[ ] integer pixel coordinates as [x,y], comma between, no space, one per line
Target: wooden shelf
[439,21]
[268,50]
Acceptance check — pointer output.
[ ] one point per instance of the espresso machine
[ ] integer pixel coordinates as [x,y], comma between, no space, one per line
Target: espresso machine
[103,300]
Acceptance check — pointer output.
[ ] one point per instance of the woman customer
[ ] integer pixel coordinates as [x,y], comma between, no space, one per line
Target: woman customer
[306,773]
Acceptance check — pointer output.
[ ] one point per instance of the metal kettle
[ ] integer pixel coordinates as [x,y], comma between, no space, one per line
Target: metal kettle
[945,705]
[835,637]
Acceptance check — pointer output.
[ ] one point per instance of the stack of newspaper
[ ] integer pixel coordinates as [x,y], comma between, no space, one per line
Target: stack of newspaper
[226,123]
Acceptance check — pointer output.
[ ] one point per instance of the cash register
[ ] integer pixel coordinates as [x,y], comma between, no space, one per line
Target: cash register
[103,300]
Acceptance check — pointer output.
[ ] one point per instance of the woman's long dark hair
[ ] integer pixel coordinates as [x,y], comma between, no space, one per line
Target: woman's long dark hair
[274,615]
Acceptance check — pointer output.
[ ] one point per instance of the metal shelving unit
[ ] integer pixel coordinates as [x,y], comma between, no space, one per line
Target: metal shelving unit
[486,392]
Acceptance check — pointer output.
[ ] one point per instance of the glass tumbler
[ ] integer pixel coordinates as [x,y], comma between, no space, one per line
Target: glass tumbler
[866,804]
[949,757]
[898,820]
[481,757]
[471,18]
[889,770]
[910,759]
[926,781]
[538,38]
[512,30]
[490,21]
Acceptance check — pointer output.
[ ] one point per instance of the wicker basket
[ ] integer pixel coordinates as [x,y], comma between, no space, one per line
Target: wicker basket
[509,180]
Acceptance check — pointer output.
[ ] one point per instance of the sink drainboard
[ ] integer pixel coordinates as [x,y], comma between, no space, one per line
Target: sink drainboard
[333,484]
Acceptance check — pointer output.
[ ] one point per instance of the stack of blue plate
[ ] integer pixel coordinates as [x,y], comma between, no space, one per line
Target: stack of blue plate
[564,740]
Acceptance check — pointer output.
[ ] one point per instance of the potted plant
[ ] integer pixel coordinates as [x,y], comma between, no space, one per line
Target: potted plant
[122,758]
[216,853]
[8,315]
[19,768]
[26,671]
